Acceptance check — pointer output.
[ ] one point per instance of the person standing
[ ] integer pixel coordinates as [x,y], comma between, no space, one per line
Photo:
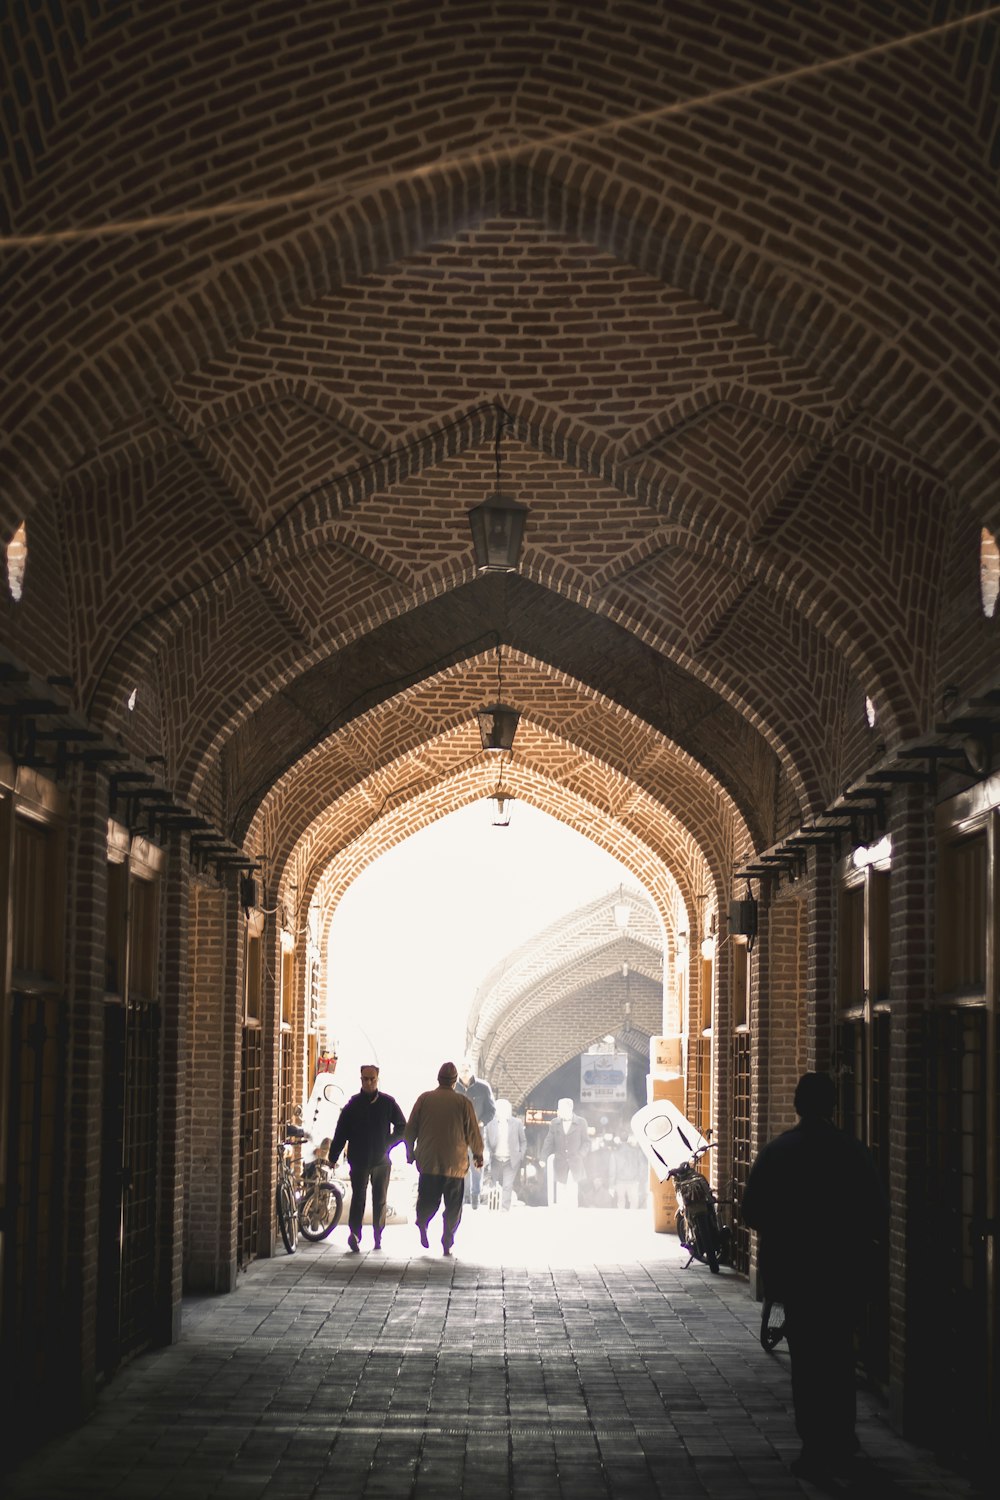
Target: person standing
[631,1171]
[442,1134]
[370,1125]
[481,1095]
[816,1200]
[507,1145]
[568,1143]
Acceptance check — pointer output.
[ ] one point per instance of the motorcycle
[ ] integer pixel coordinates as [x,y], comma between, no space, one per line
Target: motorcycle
[698,1227]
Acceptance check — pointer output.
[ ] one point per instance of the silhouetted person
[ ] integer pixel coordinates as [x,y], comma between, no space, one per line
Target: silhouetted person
[507,1146]
[370,1124]
[441,1134]
[479,1091]
[815,1198]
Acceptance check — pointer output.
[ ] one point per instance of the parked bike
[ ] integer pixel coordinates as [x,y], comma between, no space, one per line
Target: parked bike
[322,1201]
[312,1203]
[698,1227]
[285,1201]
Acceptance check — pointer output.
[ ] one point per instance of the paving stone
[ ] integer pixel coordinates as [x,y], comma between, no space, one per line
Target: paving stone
[581,1397]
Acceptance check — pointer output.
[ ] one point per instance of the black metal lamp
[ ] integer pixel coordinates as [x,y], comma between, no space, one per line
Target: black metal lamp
[498,524]
[498,726]
[498,721]
[500,805]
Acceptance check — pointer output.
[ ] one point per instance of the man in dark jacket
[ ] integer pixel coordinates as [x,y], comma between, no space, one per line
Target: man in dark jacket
[816,1199]
[370,1124]
[480,1095]
[568,1143]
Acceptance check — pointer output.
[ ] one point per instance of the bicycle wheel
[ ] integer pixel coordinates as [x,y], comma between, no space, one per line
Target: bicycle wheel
[772,1325]
[320,1211]
[288,1219]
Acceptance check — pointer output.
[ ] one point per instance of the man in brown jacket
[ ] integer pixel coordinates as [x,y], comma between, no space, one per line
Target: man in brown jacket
[440,1133]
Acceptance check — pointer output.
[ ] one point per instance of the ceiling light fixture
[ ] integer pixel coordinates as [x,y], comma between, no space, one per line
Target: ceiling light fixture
[498,524]
[500,804]
[498,721]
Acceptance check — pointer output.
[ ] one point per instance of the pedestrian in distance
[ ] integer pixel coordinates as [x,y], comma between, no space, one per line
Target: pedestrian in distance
[601,1173]
[630,1174]
[568,1144]
[370,1125]
[442,1134]
[481,1095]
[816,1200]
[507,1146]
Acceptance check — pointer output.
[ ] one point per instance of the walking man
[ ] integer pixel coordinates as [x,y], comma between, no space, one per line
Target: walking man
[481,1095]
[371,1124]
[441,1134]
[816,1199]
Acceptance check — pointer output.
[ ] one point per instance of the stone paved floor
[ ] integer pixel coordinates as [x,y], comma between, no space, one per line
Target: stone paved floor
[529,1366]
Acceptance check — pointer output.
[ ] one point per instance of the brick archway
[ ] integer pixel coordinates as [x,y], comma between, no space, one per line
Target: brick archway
[582,945]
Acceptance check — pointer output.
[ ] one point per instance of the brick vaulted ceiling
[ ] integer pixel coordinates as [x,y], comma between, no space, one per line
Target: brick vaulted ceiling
[269,271]
[583,951]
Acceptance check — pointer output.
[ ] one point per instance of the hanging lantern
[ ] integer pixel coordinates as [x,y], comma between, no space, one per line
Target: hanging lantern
[500,808]
[497,531]
[498,726]
[497,721]
[498,524]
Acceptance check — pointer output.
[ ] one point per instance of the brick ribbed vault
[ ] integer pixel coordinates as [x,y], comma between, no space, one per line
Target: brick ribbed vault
[663,858]
[583,994]
[522,1056]
[575,756]
[367,133]
[743,324]
[252,369]
[564,672]
[572,970]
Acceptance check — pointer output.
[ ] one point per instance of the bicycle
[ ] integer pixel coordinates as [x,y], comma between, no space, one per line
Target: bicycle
[311,1204]
[285,1202]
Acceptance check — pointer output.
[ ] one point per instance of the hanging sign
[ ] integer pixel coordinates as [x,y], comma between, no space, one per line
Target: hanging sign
[604,1078]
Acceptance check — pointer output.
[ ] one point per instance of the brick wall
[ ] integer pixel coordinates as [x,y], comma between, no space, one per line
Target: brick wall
[212,1074]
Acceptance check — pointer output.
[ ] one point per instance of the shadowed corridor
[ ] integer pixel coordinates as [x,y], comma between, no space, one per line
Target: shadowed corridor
[558,1355]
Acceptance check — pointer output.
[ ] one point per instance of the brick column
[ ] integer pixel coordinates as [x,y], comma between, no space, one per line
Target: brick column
[722,1052]
[86,886]
[213,1087]
[177,898]
[820,996]
[912,1286]
[779,1015]
[271,1027]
